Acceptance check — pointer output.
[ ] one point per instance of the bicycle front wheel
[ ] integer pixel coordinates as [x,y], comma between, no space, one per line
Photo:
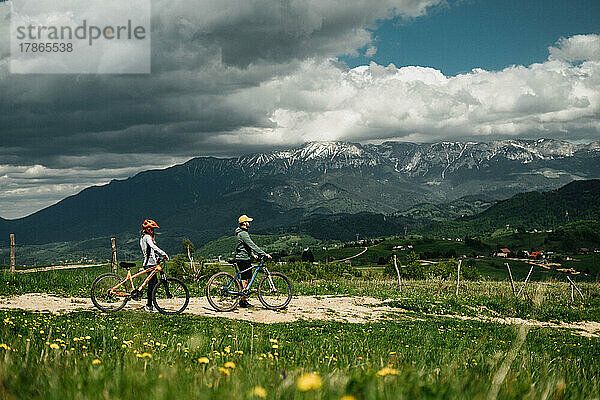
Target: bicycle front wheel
[109,293]
[275,291]
[219,291]
[170,296]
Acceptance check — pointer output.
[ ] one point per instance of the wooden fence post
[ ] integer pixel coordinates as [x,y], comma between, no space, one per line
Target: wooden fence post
[113,262]
[12,252]
[572,292]
[526,279]
[512,283]
[458,276]
[576,288]
[397,272]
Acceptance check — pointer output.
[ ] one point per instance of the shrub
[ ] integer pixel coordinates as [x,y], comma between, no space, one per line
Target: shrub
[469,273]
[308,256]
[305,271]
[181,268]
[409,267]
[443,270]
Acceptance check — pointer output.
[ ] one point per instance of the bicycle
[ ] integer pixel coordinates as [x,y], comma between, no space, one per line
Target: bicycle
[224,290]
[110,293]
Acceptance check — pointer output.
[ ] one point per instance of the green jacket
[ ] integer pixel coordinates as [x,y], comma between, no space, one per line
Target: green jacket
[245,246]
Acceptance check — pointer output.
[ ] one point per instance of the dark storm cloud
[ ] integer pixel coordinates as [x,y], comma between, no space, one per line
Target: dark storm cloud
[202,53]
[246,75]
[60,133]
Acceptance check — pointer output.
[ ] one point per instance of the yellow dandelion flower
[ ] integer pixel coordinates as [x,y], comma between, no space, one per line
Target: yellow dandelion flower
[387,371]
[239,352]
[224,370]
[144,355]
[259,391]
[227,349]
[54,346]
[348,397]
[96,361]
[309,381]
[273,340]
[203,360]
[230,364]
[275,346]
[4,346]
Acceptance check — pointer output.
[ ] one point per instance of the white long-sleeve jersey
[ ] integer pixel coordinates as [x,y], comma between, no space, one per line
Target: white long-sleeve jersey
[149,249]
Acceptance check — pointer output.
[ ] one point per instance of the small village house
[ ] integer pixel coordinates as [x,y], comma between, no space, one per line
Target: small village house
[504,253]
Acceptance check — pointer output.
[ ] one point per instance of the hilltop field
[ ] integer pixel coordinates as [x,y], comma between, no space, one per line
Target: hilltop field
[350,332]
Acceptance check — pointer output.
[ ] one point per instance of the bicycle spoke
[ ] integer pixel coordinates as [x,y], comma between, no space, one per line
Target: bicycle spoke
[275,291]
[219,291]
[108,294]
[171,296]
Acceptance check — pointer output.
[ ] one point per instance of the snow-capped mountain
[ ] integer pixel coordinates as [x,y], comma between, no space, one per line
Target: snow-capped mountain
[202,197]
[432,160]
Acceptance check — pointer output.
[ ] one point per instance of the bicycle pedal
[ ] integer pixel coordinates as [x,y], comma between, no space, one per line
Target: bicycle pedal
[136,294]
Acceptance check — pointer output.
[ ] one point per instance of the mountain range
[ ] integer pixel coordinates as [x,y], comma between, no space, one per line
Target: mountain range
[203,197]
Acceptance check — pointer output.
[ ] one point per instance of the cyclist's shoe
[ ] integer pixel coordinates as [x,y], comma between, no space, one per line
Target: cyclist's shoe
[245,304]
[150,309]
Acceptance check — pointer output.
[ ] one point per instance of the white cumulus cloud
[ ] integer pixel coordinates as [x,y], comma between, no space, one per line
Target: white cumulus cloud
[326,101]
[577,48]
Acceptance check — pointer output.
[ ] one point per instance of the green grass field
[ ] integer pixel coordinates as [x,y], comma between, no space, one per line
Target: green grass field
[128,354]
[426,351]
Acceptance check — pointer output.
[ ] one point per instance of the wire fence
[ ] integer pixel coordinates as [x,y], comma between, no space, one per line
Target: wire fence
[36,254]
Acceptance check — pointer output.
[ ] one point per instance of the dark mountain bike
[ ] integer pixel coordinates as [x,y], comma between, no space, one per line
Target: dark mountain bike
[224,290]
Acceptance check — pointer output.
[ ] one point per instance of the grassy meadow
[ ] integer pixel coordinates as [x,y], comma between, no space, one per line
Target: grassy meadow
[425,351]
[81,355]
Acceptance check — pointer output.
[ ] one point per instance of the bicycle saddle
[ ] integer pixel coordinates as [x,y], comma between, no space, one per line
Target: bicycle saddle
[127,265]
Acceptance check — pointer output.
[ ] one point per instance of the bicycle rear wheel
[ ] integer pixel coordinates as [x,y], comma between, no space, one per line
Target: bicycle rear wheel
[219,291]
[170,296]
[108,293]
[276,295]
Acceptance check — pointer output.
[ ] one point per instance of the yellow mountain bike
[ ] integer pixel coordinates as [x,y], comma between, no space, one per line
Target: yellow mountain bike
[110,292]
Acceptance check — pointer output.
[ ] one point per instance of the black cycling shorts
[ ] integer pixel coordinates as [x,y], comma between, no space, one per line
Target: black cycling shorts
[242,265]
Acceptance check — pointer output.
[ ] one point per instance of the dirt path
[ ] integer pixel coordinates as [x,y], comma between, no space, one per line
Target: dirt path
[343,309]
[351,257]
[328,308]
[57,267]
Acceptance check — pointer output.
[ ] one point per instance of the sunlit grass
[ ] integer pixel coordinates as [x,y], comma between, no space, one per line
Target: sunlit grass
[87,355]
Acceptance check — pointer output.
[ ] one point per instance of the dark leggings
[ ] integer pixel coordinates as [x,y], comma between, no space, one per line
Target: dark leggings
[242,265]
[151,283]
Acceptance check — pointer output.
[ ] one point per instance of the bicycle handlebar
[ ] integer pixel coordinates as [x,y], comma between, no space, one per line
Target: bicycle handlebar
[161,259]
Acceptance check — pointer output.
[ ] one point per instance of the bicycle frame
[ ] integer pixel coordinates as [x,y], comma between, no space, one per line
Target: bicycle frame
[153,271]
[258,267]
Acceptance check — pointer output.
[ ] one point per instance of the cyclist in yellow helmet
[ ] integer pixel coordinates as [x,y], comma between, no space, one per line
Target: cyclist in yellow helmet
[244,251]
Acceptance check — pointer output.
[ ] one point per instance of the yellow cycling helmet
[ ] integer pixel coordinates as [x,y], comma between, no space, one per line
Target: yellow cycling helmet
[244,218]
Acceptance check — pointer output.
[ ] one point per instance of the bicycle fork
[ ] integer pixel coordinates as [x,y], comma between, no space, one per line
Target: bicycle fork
[270,280]
[163,280]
